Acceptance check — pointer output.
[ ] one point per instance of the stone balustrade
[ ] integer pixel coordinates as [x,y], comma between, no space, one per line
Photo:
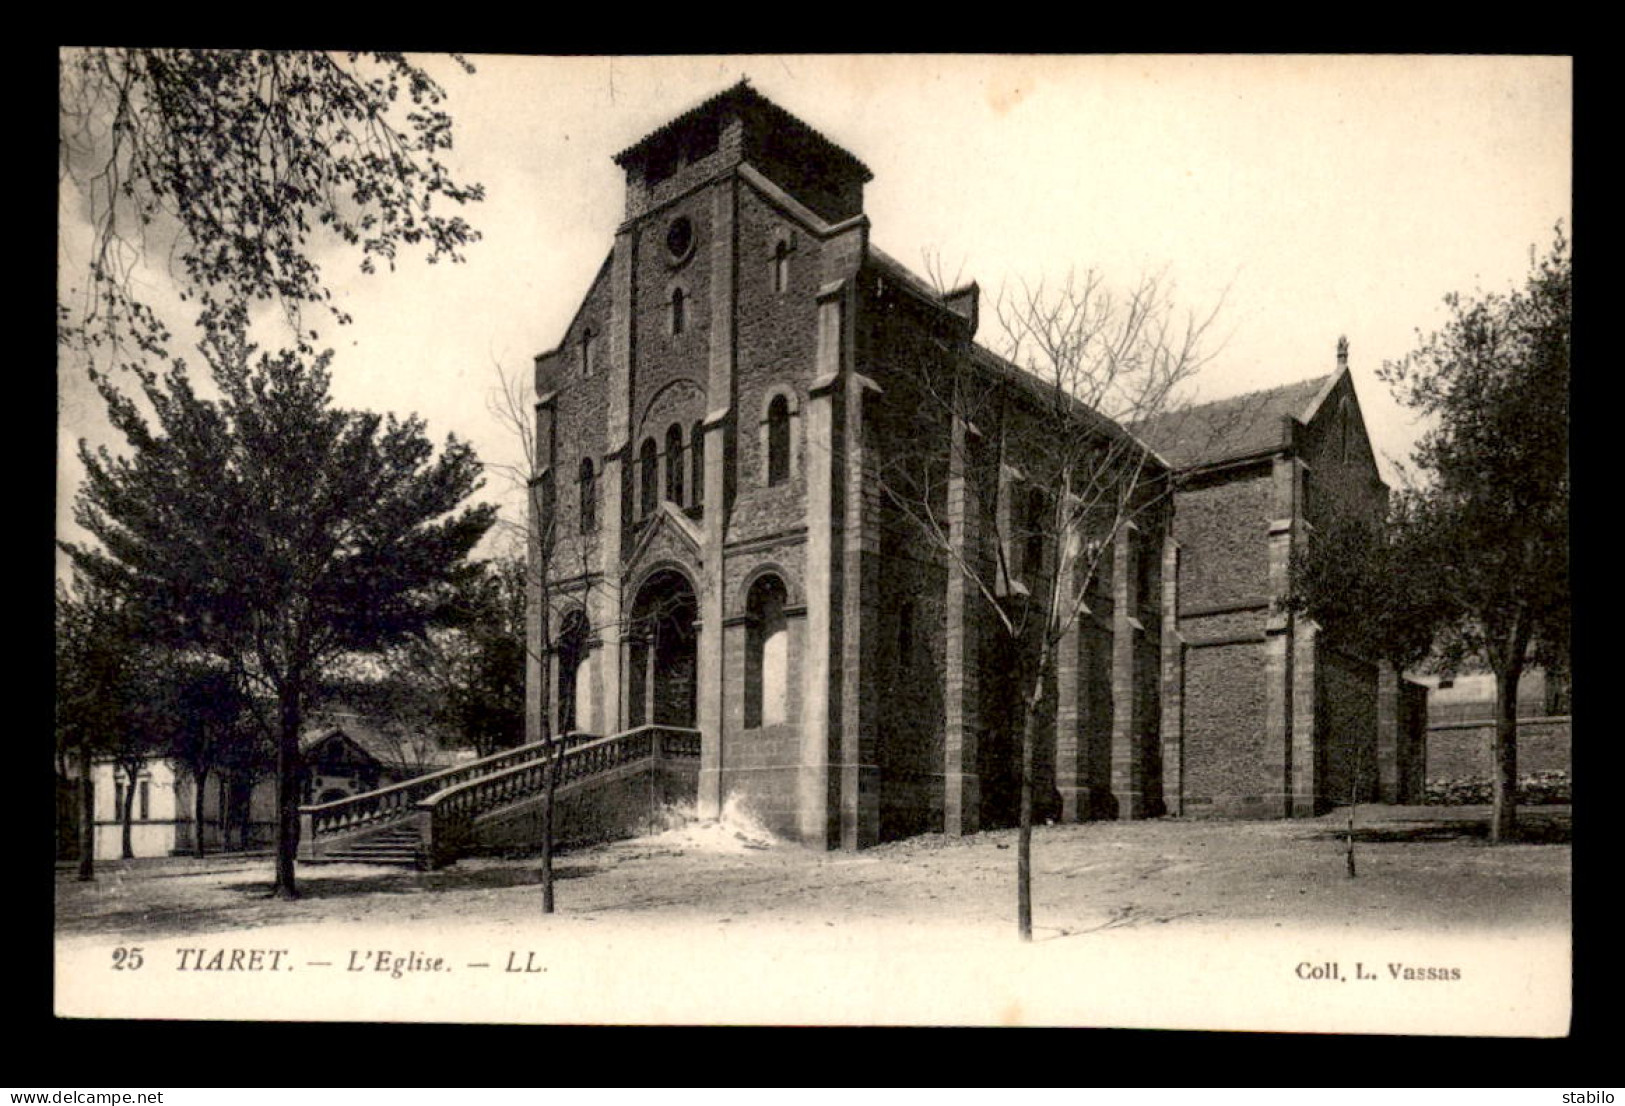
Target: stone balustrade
[400,802]
[447,815]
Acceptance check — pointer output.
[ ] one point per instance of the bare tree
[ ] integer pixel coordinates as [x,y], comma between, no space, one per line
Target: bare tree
[560,578]
[535,477]
[1048,434]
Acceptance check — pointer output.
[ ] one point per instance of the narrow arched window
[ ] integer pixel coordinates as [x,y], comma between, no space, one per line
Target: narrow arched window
[589,351]
[544,502]
[674,464]
[679,306]
[1145,573]
[781,267]
[1033,558]
[767,655]
[649,476]
[696,453]
[588,480]
[778,441]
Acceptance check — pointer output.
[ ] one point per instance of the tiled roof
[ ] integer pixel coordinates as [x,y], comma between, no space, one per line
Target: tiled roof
[407,750]
[741,95]
[1228,428]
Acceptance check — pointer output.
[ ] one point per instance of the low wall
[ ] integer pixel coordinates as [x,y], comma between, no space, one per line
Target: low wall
[1461,750]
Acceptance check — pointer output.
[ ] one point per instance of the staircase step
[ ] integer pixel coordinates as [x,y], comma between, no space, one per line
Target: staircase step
[395,846]
[397,860]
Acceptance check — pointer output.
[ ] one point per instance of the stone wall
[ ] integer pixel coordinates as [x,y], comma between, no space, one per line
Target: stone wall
[1462,750]
[1346,727]
[776,333]
[1222,529]
[1226,763]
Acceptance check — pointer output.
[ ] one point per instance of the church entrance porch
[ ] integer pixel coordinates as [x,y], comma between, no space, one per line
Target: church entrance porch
[662,652]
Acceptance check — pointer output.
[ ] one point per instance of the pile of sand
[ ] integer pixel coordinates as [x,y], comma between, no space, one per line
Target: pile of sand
[736,831]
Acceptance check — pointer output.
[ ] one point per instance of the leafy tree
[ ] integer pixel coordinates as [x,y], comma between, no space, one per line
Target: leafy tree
[463,679]
[489,703]
[132,744]
[479,662]
[206,724]
[96,690]
[1373,586]
[104,710]
[1495,380]
[273,530]
[237,166]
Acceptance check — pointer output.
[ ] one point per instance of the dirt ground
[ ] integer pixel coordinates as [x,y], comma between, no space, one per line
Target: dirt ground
[1426,866]
[1162,924]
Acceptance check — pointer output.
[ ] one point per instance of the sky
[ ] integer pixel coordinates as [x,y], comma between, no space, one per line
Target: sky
[1314,196]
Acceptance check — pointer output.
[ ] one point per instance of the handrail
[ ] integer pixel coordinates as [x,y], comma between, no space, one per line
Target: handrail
[452,810]
[399,801]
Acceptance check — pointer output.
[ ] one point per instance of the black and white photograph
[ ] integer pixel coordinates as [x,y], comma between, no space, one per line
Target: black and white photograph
[926,540]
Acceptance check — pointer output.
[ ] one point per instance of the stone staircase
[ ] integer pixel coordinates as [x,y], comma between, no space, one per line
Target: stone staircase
[399,846]
[429,821]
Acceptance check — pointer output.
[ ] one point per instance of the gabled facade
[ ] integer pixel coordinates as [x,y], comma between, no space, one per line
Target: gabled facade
[716,550]
[1274,721]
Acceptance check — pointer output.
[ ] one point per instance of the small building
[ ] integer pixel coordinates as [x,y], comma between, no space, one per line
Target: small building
[1470,696]
[238,813]
[344,754]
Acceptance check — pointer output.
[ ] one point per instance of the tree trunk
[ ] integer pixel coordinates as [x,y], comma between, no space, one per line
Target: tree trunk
[287,798]
[127,815]
[547,827]
[1024,840]
[87,816]
[554,747]
[245,818]
[228,784]
[1504,759]
[199,778]
[1354,798]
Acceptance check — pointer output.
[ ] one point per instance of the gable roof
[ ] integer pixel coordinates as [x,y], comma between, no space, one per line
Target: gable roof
[336,746]
[408,750]
[1225,429]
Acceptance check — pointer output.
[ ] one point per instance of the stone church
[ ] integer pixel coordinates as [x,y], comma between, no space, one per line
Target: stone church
[717,549]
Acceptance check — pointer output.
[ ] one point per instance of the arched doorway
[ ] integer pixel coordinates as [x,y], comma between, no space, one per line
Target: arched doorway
[664,669]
